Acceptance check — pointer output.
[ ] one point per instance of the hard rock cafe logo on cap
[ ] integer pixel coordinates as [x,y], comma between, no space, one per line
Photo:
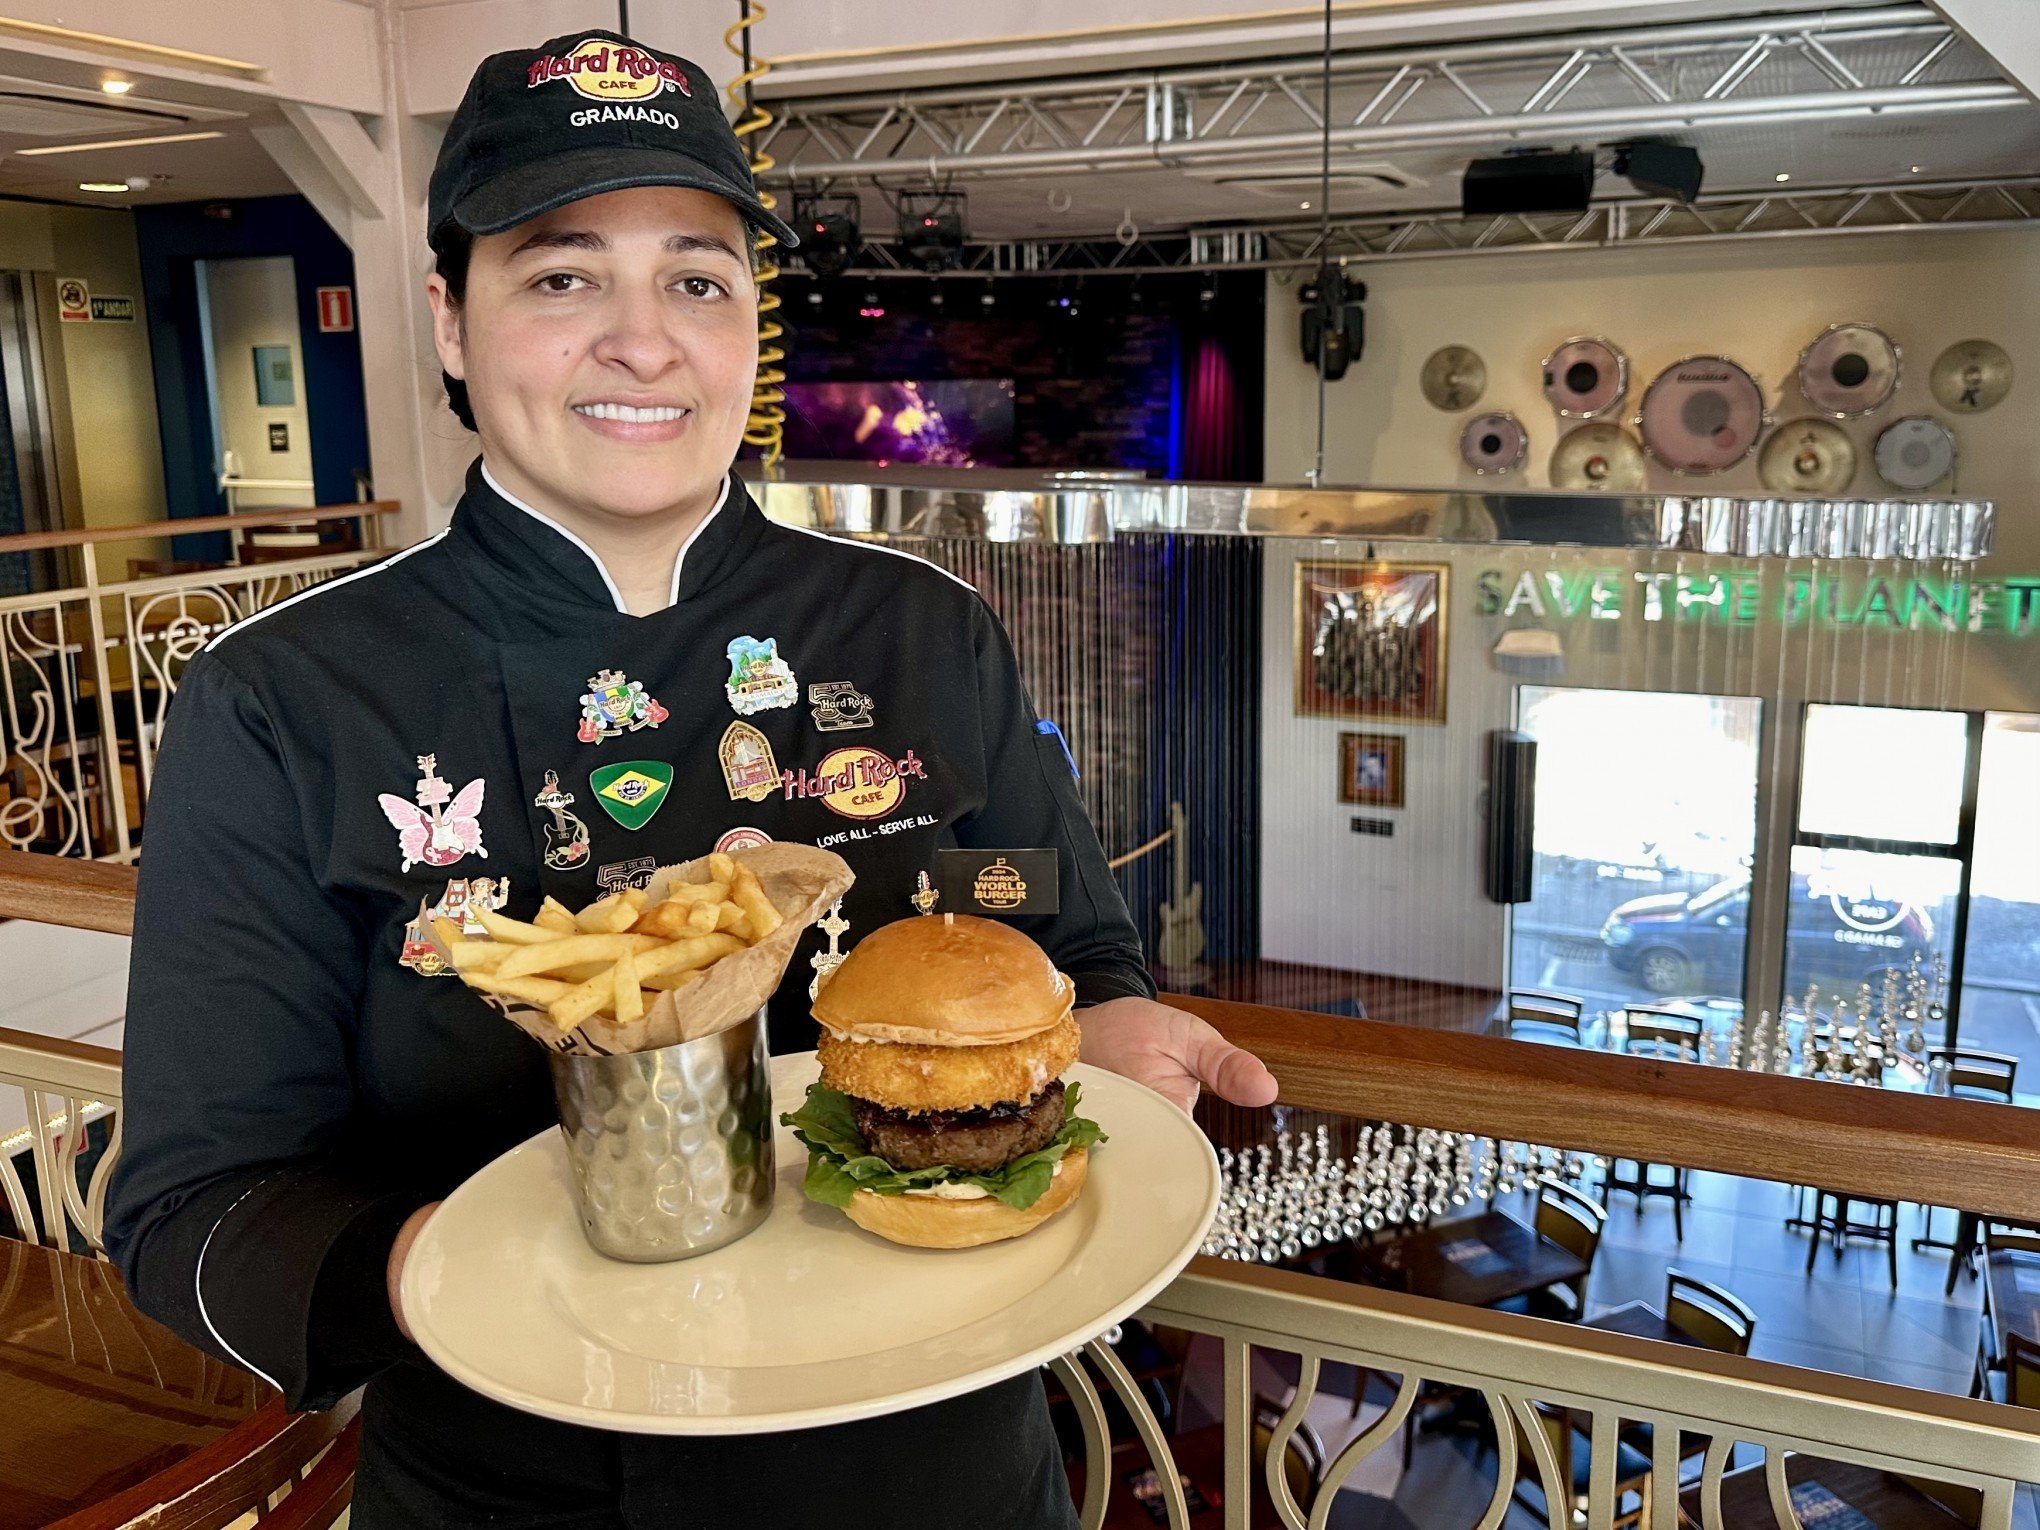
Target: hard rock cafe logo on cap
[609,71]
[858,782]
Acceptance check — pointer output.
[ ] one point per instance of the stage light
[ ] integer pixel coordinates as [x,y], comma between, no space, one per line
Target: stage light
[931,228]
[1660,169]
[831,232]
[1334,324]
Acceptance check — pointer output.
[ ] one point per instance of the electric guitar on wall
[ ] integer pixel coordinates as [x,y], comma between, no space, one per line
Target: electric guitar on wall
[1182,941]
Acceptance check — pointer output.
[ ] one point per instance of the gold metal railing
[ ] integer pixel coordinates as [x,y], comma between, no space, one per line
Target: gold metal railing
[1535,1379]
[87,670]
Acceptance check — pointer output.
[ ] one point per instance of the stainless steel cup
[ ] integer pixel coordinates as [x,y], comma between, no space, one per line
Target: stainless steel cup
[672,1149]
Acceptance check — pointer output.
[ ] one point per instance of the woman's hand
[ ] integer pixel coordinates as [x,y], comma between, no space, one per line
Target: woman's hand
[399,1251]
[1172,1052]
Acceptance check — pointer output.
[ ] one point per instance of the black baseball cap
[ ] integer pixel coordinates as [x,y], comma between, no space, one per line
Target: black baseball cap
[579,115]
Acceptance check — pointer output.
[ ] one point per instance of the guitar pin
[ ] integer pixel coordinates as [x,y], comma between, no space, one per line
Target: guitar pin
[566,837]
[436,831]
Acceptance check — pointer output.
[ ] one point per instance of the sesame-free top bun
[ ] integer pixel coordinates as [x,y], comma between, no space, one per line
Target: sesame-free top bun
[927,1221]
[945,980]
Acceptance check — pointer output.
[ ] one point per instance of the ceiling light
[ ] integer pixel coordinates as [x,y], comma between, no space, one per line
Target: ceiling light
[109,187]
[1916,169]
[115,87]
[1304,205]
[1784,175]
[116,143]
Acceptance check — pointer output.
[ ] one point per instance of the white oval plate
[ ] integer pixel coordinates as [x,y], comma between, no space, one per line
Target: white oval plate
[810,1320]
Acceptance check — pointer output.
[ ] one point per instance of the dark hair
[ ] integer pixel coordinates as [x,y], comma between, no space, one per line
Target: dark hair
[453,249]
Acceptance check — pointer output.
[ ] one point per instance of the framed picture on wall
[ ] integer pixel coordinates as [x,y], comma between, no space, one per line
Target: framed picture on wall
[1370,640]
[1371,769]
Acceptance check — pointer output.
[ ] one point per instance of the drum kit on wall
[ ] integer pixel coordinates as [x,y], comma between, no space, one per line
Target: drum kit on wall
[1705,414]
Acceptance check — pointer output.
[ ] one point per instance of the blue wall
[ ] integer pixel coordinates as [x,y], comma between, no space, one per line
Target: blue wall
[172,239]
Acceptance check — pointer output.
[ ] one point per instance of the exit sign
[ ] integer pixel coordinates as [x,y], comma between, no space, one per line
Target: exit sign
[336,309]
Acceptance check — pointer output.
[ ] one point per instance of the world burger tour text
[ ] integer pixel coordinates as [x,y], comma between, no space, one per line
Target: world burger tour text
[628,61]
[867,770]
[1744,597]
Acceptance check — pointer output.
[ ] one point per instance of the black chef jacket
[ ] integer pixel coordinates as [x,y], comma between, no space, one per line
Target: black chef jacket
[293,1091]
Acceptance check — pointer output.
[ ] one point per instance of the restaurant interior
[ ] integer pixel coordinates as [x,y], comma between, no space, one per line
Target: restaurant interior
[1521,515]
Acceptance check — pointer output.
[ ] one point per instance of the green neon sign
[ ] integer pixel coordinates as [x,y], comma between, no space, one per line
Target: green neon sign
[1745,597]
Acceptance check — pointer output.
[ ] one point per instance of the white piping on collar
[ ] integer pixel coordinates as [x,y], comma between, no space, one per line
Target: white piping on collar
[879,547]
[616,595]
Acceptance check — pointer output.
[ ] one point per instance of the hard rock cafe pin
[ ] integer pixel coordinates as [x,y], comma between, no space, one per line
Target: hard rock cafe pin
[466,897]
[566,837]
[741,838]
[420,955]
[924,897]
[748,768]
[443,826]
[759,678]
[637,872]
[825,963]
[613,706]
[837,706]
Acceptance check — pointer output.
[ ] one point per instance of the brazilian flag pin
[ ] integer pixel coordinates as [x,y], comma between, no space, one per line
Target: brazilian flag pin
[630,791]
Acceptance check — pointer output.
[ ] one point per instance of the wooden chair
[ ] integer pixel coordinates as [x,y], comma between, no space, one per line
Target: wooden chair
[1834,1213]
[1710,1315]
[1574,1456]
[1976,1075]
[1531,1013]
[1998,1237]
[1575,1223]
[2022,1371]
[1652,1028]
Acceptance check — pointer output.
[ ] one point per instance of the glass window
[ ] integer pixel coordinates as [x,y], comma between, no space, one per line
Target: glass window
[1883,773]
[2001,965]
[1645,830]
[1860,924]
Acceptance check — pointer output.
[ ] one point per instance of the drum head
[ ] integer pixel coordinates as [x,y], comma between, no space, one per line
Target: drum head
[1807,456]
[1701,415]
[1915,452]
[1493,443]
[1585,377]
[1971,376]
[1598,456]
[1454,378]
[1849,369]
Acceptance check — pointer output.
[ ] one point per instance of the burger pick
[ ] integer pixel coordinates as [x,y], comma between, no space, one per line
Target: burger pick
[941,1119]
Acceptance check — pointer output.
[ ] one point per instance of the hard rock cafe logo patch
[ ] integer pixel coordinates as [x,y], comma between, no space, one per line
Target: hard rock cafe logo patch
[609,71]
[858,782]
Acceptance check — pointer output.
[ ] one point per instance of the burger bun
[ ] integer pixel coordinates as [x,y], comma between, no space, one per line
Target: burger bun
[927,1221]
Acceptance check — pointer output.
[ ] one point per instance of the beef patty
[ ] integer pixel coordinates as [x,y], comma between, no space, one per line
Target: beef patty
[976,1141]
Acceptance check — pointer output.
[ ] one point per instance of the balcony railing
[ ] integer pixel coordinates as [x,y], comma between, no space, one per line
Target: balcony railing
[87,669]
[1970,1455]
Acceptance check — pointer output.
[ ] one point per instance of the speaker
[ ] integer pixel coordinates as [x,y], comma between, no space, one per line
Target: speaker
[1527,183]
[1512,813]
[1661,169]
[1333,321]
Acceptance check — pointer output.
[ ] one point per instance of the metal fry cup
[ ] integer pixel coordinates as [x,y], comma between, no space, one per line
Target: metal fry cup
[671,1148]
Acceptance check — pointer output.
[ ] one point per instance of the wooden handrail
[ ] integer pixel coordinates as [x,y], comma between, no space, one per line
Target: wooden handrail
[33,541]
[56,889]
[1878,1142]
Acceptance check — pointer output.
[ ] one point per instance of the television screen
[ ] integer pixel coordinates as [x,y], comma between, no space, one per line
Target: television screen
[950,422]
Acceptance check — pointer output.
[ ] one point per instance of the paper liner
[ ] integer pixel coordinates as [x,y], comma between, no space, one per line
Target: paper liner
[800,880]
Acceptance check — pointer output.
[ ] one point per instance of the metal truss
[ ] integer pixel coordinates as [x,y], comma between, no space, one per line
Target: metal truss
[1296,245]
[1892,60]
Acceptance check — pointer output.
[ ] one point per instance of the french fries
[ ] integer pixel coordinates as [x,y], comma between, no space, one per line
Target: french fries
[619,954]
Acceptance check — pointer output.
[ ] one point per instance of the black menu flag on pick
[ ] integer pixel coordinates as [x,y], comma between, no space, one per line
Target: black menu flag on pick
[998,884]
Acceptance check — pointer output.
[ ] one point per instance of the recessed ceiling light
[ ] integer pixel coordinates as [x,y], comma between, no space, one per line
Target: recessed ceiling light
[109,187]
[1916,169]
[115,87]
[1304,205]
[1784,175]
[117,143]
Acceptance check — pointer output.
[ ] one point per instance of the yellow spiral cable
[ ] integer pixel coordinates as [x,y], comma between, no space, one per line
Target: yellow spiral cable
[766,428]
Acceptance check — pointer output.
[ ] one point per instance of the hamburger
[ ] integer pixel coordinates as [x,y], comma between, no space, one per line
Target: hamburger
[941,1119]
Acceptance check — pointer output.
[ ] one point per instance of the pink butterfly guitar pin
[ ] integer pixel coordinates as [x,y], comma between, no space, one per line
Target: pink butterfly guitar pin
[436,830]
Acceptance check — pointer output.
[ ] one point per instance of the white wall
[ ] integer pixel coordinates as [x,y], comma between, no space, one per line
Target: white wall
[1411,904]
[250,302]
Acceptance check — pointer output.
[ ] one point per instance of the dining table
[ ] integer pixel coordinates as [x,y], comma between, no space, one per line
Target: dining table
[1480,1260]
[1836,1495]
[97,1398]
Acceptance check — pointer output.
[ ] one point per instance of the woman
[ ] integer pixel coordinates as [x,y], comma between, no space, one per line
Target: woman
[608,604]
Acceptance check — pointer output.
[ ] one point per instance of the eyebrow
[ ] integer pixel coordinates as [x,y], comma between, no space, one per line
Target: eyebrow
[588,239]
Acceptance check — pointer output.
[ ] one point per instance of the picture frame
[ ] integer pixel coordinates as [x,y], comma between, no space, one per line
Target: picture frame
[1371,769]
[1371,640]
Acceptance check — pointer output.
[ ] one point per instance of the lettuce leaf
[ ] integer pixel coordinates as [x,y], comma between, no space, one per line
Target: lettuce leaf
[839,1163]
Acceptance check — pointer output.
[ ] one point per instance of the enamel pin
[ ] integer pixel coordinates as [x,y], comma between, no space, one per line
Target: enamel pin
[630,791]
[466,897]
[748,768]
[441,827]
[835,926]
[741,839]
[924,896]
[759,678]
[837,706]
[613,706]
[566,837]
[420,955]
[618,875]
